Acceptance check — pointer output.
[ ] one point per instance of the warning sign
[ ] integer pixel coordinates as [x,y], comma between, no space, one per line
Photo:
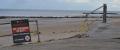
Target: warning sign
[21,31]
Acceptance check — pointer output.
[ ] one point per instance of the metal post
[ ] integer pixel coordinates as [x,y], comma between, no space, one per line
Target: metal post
[86,17]
[38,33]
[104,13]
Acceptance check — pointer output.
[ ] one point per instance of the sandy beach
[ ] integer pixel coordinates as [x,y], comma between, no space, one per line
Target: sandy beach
[47,26]
[101,36]
[58,32]
[51,29]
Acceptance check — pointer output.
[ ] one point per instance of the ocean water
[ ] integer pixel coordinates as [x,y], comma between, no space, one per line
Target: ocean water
[50,13]
[56,13]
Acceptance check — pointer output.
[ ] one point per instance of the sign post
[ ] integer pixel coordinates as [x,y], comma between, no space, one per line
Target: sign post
[38,33]
[21,31]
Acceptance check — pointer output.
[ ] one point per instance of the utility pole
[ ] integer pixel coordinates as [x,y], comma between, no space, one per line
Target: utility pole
[104,13]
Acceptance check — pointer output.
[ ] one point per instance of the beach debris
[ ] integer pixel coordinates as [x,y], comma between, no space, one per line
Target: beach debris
[80,36]
[116,38]
[50,40]
[77,36]
[53,32]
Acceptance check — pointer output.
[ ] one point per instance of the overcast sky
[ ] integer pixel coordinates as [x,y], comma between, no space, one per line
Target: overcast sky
[113,5]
